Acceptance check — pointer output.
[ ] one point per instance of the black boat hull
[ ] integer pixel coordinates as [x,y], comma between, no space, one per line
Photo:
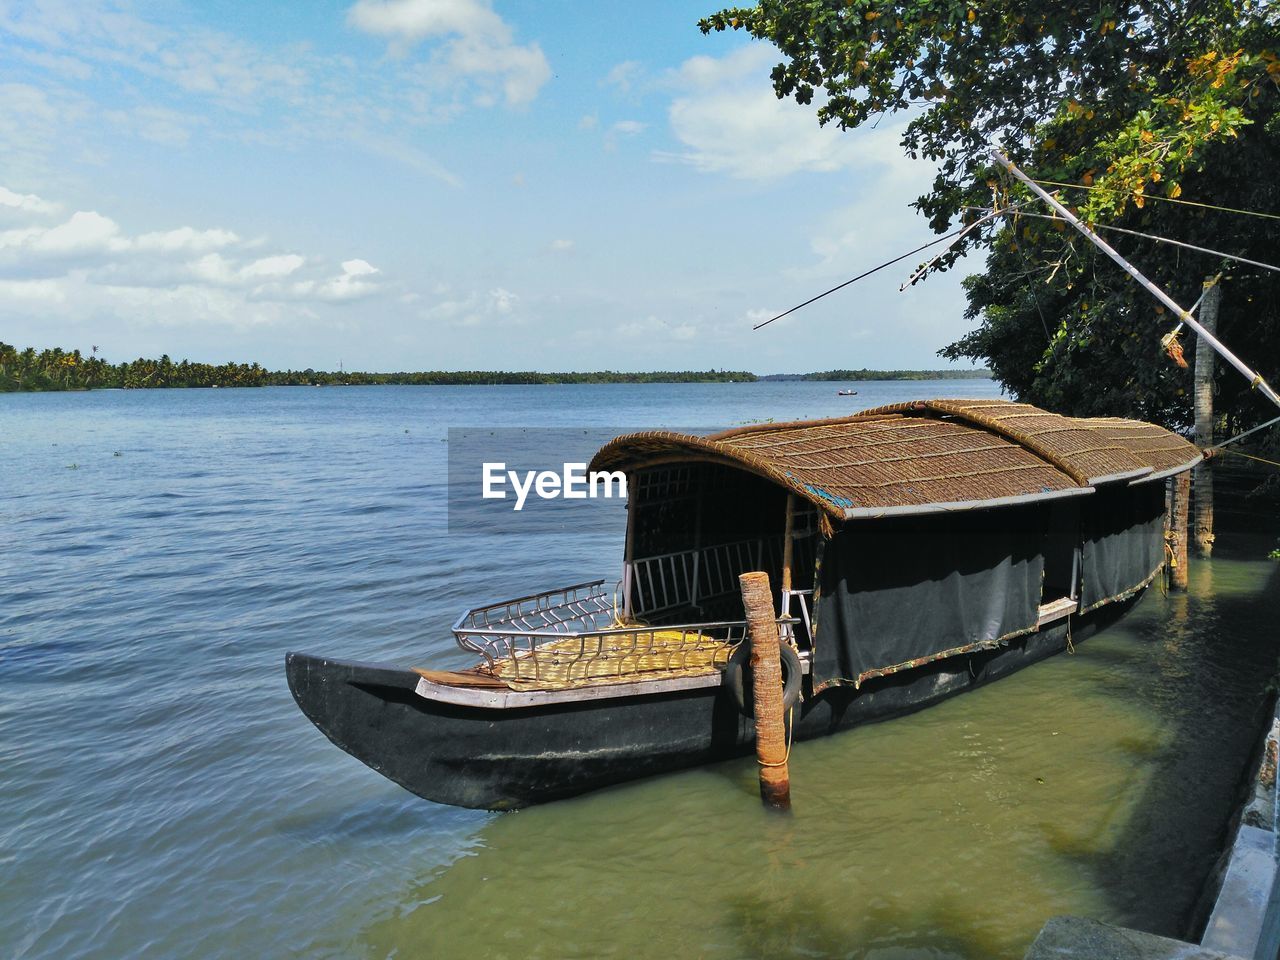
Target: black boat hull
[503,759]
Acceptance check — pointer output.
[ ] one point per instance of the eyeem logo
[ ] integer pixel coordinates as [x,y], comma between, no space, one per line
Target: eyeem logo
[571,483]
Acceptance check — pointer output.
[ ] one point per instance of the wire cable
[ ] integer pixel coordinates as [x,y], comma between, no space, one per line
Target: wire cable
[1249,456]
[1241,436]
[1189,203]
[1157,238]
[960,236]
[887,263]
[1160,239]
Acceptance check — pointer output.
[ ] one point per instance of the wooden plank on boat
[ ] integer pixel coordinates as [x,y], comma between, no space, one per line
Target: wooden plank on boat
[502,697]
[1057,609]
[464,678]
[471,688]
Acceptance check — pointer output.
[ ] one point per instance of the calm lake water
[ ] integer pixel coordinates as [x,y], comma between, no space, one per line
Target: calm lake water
[162,796]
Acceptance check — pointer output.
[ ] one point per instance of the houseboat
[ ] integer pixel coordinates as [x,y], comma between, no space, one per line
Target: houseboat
[917,550]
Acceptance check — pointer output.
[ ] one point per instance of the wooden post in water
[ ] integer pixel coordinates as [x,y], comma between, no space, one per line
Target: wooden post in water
[1178,529]
[766,672]
[1204,418]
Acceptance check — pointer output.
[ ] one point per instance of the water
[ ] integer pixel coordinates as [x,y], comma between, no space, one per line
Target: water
[162,796]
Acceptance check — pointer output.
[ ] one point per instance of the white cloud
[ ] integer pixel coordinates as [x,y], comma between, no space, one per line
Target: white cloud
[622,129]
[44,291]
[624,75]
[730,122]
[85,232]
[355,282]
[561,246]
[28,202]
[210,80]
[498,306]
[186,238]
[87,265]
[170,128]
[277,266]
[358,268]
[214,269]
[502,300]
[474,41]
[653,328]
[56,63]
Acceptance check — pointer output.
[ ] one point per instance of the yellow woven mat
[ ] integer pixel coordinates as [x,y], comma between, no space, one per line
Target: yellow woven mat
[590,660]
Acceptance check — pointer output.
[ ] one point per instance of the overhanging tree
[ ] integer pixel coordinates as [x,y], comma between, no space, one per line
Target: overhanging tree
[1135,104]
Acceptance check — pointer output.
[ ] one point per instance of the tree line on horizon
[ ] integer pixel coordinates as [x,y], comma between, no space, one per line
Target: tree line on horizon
[58,369]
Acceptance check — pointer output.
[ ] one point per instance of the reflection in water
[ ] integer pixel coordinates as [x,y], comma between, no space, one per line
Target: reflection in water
[1092,784]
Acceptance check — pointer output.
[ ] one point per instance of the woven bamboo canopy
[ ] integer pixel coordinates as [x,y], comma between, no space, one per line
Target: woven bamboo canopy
[925,456]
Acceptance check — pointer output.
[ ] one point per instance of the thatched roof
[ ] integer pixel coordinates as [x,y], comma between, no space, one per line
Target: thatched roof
[929,455]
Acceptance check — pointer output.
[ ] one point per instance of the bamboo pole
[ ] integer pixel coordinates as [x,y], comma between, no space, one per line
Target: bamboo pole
[788,545]
[629,550]
[766,672]
[1181,494]
[1254,378]
[1203,531]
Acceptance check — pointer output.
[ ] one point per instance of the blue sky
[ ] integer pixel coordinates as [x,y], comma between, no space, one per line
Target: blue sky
[441,184]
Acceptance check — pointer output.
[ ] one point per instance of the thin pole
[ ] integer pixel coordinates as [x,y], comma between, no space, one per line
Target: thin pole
[1204,419]
[788,549]
[1255,379]
[629,549]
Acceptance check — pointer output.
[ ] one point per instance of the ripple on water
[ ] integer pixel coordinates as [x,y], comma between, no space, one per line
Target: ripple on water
[164,797]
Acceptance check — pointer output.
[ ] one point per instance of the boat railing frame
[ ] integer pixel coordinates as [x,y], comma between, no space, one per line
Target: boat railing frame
[703,574]
[509,632]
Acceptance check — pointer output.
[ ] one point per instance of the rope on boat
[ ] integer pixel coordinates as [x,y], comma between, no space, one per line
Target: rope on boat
[1250,456]
[1170,340]
[1209,451]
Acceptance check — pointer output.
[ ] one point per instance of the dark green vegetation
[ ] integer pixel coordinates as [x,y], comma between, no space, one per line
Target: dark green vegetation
[864,374]
[58,369]
[1141,105]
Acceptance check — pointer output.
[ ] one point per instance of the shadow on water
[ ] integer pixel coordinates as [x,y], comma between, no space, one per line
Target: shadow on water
[1204,662]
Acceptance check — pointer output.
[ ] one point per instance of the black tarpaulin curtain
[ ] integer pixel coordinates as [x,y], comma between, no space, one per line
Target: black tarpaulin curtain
[1122,529]
[904,589]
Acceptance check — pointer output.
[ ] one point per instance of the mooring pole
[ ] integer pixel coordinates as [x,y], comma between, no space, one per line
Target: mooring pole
[1181,495]
[766,672]
[1204,418]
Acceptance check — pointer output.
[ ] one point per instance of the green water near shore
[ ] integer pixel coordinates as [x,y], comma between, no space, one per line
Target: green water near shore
[1076,786]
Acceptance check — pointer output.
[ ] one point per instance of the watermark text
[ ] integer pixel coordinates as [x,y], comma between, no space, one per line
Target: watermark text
[573,482]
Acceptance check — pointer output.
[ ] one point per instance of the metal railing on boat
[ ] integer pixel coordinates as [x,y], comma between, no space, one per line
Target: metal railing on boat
[573,636]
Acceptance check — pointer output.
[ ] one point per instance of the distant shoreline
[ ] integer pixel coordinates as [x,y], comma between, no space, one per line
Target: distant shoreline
[55,370]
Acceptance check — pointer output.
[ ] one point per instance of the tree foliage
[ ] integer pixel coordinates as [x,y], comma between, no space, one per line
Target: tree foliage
[57,369]
[1140,105]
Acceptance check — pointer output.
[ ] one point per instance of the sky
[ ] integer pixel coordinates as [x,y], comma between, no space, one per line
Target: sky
[443,184]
